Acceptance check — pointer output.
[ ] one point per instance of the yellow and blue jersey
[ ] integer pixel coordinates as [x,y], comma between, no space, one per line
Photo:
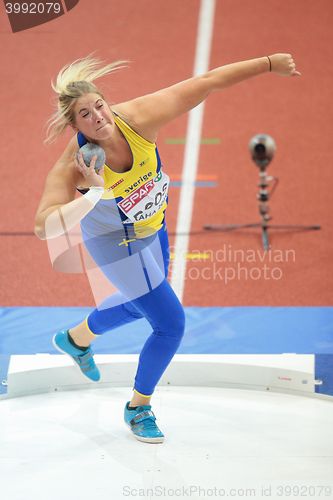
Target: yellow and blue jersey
[138,197]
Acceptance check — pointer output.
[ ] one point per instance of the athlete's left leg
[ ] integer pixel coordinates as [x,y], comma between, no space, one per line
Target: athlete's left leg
[165,313]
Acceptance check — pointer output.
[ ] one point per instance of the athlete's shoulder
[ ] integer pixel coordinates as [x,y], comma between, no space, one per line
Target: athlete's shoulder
[129,112]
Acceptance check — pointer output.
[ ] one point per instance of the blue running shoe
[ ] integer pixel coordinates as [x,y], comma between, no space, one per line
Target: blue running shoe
[142,423]
[84,359]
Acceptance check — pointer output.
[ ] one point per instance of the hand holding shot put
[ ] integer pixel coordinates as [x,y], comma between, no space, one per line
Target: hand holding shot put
[90,167]
[90,171]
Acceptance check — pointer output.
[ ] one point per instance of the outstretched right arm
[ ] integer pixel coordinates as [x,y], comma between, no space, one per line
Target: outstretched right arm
[58,210]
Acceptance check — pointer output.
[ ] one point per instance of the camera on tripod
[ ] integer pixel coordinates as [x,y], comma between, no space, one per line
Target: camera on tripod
[262,148]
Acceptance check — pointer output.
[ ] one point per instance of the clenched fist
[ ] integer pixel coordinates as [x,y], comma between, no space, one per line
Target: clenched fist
[284,65]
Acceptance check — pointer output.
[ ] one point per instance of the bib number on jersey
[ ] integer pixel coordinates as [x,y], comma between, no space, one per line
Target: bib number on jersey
[146,200]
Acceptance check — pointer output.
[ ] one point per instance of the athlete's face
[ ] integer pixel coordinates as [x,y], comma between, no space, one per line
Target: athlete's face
[93,117]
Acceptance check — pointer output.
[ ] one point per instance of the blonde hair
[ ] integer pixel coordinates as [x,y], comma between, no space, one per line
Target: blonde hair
[73,81]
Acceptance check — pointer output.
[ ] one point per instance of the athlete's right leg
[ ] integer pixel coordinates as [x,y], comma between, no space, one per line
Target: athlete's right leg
[134,275]
[128,273]
[82,335]
[104,319]
[76,341]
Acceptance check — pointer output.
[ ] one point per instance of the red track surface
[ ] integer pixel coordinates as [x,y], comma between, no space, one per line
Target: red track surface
[159,38]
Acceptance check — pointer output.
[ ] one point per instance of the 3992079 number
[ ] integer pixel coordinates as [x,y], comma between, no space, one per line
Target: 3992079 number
[314,491]
[33,8]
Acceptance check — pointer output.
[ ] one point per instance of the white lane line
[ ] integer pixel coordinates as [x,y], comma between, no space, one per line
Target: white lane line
[192,150]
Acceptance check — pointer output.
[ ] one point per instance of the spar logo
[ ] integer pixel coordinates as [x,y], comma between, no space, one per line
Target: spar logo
[131,201]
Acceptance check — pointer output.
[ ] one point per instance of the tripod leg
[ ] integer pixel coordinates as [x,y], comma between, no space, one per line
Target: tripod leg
[265,238]
[229,227]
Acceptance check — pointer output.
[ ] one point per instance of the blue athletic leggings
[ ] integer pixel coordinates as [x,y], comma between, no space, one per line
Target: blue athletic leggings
[138,268]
